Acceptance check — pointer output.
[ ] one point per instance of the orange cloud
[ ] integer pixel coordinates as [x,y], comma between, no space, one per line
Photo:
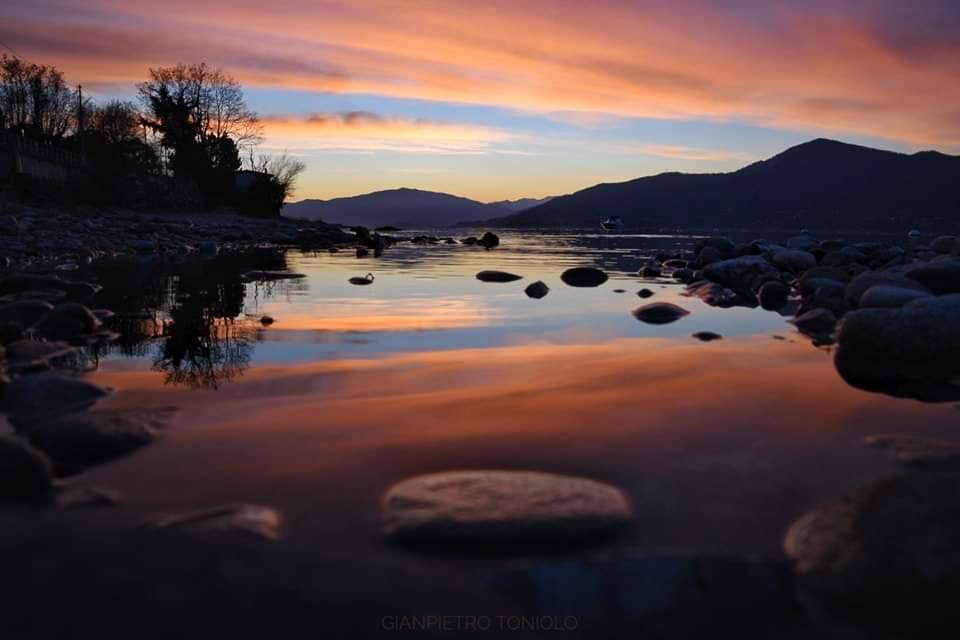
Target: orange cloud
[362,131]
[853,69]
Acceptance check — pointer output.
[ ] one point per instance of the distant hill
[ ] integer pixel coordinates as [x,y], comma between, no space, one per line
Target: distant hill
[522,204]
[821,184]
[408,208]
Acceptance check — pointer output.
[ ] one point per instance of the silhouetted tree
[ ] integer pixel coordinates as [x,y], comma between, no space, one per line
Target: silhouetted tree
[34,99]
[268,194]
[203,121]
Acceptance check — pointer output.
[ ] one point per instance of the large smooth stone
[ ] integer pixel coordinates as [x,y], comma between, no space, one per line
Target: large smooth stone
[497,276]
[659,313]
[48,394]
[773,295]
[504,510]
[911,351]
[84,439]
[895,538]
[25,473]
[583,277]
[228,521]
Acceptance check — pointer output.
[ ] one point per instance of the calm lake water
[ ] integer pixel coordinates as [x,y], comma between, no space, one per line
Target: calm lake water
[720,445]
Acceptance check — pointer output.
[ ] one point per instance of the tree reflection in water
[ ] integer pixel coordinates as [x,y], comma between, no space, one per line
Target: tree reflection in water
[193,310]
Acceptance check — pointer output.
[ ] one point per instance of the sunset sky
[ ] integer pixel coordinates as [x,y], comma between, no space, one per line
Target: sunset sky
[512,98]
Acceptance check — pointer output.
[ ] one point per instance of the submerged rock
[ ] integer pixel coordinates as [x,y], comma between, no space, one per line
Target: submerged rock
[659,313]
[234,520]
[505,510]
[537,290]
[268,276]
[645,293]
[489,240]
[85,439]
[583,277]
[918,452]
[497,276]
[706,336]
[913,350]
[25,474]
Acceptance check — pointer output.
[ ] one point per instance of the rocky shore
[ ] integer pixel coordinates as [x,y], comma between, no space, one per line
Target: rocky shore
[876,563]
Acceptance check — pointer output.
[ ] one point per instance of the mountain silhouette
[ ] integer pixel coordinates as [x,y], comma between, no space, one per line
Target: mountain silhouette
[396,207]
[822,183]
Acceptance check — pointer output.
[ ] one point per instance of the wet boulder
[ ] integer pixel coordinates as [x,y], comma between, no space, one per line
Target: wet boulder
[659,313]
[684,275]
[537,290]
[939,276]
[645,293]
[649,271]
[913,350]
[794,260]
[890,296]
[743,275]
[497,276]
[25,473]
[773,295]
[583,277]
[859,285]
[724,247]
[503,510]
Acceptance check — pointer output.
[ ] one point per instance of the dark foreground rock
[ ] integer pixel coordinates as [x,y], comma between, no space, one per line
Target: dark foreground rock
[659,313]
[489,240]
[583,277]
[743,275]
[706,336]
[501,510]
[497,276]
[941,276]
[537,290]
[888,549]
[48,394]
[84,439]
[773,295]
[25,473]
[913,350]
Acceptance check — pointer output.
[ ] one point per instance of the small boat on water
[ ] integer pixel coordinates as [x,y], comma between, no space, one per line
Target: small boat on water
[613,223]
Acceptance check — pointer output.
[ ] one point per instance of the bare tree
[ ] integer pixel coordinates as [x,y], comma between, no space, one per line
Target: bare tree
[35,99]
[283,170]
[201,102]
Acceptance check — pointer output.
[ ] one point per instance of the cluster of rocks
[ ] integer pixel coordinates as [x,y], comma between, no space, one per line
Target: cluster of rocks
[888,308]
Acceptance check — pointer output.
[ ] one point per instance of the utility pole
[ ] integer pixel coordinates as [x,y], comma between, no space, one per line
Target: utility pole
[80,128]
